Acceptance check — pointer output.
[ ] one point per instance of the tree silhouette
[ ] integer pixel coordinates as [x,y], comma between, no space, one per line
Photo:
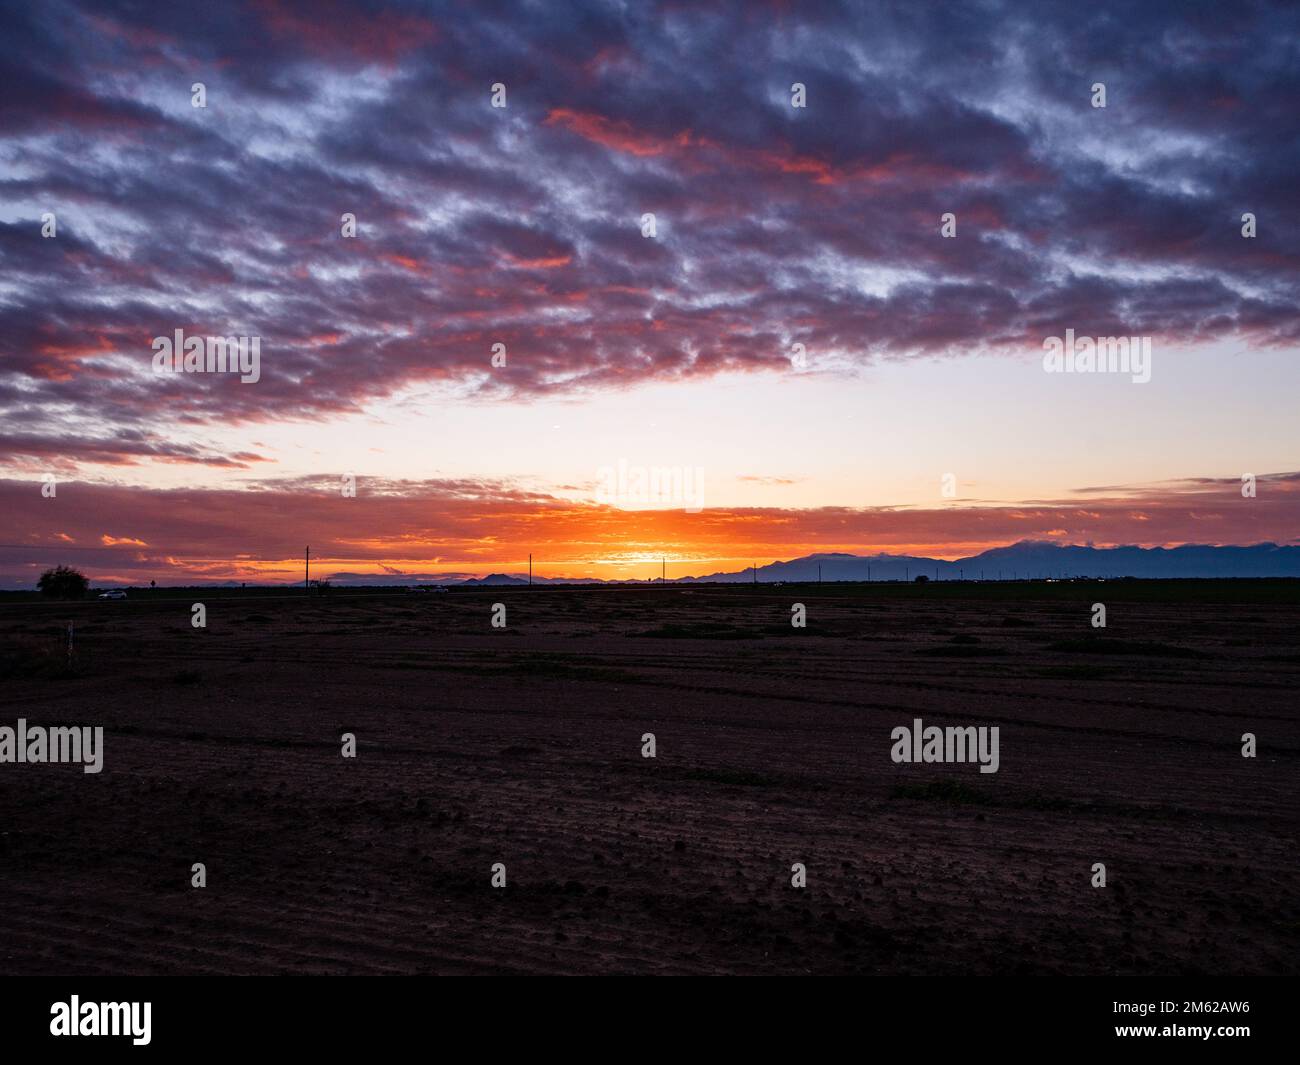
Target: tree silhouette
[63,582]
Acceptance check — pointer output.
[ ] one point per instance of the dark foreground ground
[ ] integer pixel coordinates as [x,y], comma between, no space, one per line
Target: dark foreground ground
[523,746]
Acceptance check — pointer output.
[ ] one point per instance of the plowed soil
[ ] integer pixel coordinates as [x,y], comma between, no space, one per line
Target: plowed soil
[523,746]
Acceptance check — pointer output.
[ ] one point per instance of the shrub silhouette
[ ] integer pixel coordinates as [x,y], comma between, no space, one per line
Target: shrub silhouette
[63,582]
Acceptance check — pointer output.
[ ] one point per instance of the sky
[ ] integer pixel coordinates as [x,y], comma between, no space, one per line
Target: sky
[767,279]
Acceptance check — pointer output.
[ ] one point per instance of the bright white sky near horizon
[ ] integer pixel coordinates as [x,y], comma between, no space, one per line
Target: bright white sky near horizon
[1009,432]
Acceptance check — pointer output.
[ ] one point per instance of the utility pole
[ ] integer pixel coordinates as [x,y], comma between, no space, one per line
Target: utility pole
[754,567]
[306,572]
[663,572]
[819,573]
[530,570]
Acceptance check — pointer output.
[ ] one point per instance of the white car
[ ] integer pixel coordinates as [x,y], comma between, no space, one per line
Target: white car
[113,593]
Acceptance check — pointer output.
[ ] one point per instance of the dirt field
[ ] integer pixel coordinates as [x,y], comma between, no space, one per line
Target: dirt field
[523,746]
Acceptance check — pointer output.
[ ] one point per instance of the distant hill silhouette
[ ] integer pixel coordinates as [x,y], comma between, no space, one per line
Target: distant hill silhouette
[1031,558]
[496,578]
[1024,560]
